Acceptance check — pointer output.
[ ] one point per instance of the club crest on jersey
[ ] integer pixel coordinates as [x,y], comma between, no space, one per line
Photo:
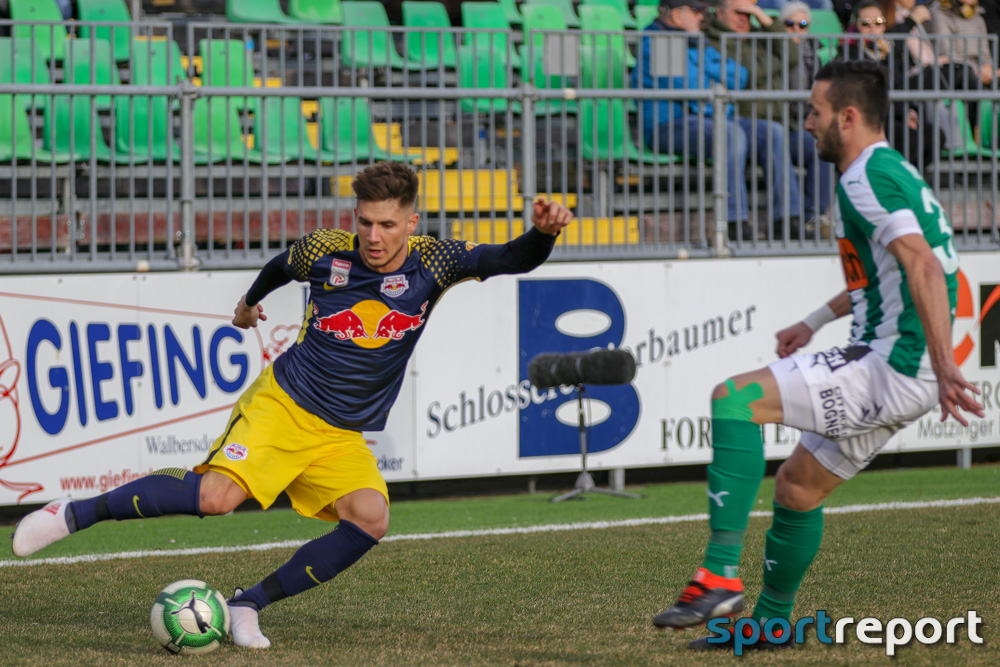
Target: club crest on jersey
[339,272]
[394,285]
[235,452]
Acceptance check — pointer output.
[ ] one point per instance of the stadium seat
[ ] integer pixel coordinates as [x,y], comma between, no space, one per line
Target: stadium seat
[538,20]
[107,10]
[987,138]
[389,137]
[429,48]
[279,130]
[317,11]
[50,39]
[487,16]
[510,11]
[565,8]
[468,190]
[346,131]
[143,124]
[581,231]
[479,68]
[218,133]
[825,22]
[605,133]
[644,15]
[17,143]
[21,61]
[227,64]
[70,129]
[620,7]
[257,11]
[604,19]
[85,56]
[369,48]
[969,147]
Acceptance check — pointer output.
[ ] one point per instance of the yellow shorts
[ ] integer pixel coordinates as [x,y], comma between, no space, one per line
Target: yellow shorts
[272,445]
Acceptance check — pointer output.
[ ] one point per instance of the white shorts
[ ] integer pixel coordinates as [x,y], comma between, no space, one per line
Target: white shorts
[848,402]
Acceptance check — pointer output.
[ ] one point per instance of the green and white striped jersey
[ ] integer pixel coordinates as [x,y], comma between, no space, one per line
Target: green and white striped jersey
[881,197]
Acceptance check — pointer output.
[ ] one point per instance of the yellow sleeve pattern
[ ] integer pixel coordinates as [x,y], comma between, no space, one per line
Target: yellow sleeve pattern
[304,252]
[448,259]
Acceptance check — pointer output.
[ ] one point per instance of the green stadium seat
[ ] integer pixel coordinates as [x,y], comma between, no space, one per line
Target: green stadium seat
[70,128]
[565,7]
[487,16]
[218,133]
[644,15]
[538,20]
[429,48]
[226,64]
[605,133]
[257,11]
[50,39]
[825,22]
[478,68]
[317,11]
[604,18]
[369,48]
[143,124]
[346,131]
[84,56]
[280,130]
[987,137]
[17,142]
[107,10]
[969,147]
[620,7]
[21,61]
[510,11]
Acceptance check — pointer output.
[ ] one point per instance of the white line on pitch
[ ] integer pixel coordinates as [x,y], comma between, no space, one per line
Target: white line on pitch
[526,530]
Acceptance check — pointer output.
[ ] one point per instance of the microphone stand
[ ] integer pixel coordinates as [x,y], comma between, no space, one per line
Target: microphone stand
[584,481]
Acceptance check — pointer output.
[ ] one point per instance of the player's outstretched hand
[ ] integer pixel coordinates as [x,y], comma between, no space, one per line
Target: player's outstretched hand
[246,316]
[953,392]
[793,338]
[550,217]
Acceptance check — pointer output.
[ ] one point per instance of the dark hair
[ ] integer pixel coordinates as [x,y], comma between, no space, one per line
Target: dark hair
[859,84]
[387,181]
[865,4]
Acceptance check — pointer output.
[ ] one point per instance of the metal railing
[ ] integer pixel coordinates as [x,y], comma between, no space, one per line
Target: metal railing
[185,164]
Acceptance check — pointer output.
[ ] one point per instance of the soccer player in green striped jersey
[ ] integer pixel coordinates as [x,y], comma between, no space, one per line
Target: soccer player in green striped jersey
[900,267]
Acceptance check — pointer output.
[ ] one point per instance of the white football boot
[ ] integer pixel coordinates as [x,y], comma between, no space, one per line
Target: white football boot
[243,625]
[41,528]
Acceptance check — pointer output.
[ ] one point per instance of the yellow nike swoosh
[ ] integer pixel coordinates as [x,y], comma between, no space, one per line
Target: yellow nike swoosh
[135,503]
[309,571]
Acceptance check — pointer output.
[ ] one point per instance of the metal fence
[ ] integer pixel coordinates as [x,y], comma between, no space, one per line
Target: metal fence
[152,146]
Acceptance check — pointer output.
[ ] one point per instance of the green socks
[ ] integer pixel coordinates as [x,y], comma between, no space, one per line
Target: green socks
[792,543]
[734,477]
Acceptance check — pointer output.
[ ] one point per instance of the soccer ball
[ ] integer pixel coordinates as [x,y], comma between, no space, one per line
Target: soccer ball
[190,617]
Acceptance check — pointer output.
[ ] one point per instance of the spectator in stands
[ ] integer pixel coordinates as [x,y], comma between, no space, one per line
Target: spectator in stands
[674,126]
[768,63]
[796,17]
[869,21]
[964,19]
[991,14]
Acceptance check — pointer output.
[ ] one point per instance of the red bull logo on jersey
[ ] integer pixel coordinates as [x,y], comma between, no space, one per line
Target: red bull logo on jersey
[369,323]
[394,285]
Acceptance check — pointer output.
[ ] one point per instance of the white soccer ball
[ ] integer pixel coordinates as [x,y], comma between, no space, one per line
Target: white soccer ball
[190,617]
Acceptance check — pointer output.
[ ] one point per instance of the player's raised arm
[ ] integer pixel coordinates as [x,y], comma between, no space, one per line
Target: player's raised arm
[530,249]
[799,334]
[270,278]
[930,297]
[549,217]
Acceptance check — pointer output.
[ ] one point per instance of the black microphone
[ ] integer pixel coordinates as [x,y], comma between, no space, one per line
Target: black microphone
[552,369]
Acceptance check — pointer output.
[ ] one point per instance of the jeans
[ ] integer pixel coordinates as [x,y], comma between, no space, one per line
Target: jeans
[816,194]
[680,136]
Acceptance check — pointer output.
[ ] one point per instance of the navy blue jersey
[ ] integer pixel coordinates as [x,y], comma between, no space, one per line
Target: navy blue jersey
[361,326]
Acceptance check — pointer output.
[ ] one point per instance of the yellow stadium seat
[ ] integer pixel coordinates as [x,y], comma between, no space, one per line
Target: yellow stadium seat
[581,232]
[389,137]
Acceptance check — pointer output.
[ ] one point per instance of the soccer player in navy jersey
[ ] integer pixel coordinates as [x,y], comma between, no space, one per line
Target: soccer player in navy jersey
[298,428]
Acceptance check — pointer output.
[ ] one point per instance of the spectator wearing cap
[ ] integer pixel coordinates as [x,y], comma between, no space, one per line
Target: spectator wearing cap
[817,188]
[685,127]
[768,62]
